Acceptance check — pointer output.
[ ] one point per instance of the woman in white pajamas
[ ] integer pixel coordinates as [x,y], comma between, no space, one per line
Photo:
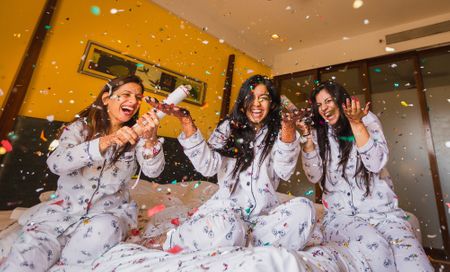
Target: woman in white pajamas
[91,210]
[250,151]
[347,153]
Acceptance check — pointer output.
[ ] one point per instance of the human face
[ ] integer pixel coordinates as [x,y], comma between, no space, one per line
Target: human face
[123,103]
[327,107]
[258,109]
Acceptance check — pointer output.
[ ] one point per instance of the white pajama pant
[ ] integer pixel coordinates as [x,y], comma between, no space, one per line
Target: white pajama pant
[39,246]
[220,223]
[386,240]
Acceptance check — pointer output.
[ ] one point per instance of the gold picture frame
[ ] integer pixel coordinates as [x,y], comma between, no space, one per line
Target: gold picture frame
[103,62]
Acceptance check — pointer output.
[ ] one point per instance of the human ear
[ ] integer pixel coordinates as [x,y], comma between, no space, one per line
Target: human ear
[105,98]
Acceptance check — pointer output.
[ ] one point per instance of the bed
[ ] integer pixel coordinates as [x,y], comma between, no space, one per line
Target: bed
[180,199]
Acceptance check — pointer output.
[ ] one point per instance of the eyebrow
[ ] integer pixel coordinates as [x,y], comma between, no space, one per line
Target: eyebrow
[324,100]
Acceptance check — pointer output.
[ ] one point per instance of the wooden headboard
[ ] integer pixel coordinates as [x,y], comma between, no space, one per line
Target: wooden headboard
[24,174]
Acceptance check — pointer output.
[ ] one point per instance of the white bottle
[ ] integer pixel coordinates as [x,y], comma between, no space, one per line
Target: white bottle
[175,97]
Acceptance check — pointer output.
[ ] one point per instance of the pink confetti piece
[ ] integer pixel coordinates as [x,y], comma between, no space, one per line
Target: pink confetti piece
[175,221]
[156,209]
[174,250]
[7,145]
[59,202]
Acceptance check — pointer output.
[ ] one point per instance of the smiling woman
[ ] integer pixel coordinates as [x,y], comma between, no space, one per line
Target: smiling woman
[102,148]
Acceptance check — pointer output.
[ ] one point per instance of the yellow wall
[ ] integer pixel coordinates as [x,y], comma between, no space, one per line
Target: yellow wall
[143,30]
[17,23]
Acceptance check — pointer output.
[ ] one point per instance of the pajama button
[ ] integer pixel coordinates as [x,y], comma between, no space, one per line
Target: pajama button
[86,200]
[348,193]
[99,167]
[248,183]
[94,186]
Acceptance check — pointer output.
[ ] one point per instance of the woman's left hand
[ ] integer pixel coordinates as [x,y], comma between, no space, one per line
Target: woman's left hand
[148,126]
[353,111]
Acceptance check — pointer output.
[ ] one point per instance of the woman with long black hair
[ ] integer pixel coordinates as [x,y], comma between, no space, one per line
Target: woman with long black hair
[250,151]
[91,210]
[346,152]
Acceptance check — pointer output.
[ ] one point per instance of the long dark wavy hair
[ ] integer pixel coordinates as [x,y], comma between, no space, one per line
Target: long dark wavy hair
[96,119]
[239,144]
[342,132]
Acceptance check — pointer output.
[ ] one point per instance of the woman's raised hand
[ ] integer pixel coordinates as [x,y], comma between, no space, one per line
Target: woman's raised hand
[148,125]
[166,108]
[353,110]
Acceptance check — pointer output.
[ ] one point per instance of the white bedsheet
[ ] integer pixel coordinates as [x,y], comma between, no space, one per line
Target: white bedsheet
[181,199]
[131,257]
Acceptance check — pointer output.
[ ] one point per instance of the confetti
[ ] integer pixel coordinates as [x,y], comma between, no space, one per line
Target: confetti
[115,11]
[7,145]
[357,4]
[205,42]
[404,104]
[1,92]
[309,192]
[156,209]
[366,21]
[59,202]
[247,210]
[50,118]
[135,232]
[43,136]
[175,221]
[53,145]
[53,196]
[95,10]
[2,150]
[431,236]
[47,27]
[39,189]
[174,250]
[139,65]
[221,41]
[389,49]
[347,138]
[173,182]
[197,184]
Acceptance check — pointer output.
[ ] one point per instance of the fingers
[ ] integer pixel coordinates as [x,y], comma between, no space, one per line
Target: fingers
[366,108]
[126,135]
[148,124]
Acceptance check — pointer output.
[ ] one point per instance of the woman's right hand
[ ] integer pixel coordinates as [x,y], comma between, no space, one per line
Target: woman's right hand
[119,138]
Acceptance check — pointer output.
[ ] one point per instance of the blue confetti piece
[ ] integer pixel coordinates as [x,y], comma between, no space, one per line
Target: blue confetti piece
[309,192]
[95,10]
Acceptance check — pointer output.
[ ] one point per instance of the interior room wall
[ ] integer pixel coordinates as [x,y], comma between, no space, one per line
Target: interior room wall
[17,23]
[359,47]
[140,29]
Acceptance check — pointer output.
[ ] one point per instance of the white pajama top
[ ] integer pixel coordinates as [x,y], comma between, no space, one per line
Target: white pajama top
[254,188]
[347,197]
[88,184]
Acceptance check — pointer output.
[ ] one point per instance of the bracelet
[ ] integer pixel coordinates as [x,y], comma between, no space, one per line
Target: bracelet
[149,153]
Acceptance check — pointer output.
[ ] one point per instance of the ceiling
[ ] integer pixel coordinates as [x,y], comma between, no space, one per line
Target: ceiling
[249,24]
